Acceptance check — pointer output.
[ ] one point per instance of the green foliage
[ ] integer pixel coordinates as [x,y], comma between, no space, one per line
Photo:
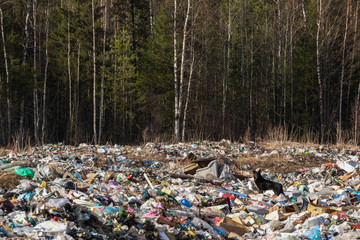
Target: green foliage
[121,72]
[155,82]
[139,74]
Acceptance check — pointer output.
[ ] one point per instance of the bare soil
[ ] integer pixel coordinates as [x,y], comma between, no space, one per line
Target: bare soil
[280,163]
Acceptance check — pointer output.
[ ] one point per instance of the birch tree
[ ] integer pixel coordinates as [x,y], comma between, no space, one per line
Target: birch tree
[151,17]
[188,88]
[94,70]
[176,84]
[45,73]
[69,71]
[343,69]
[103,73]
[26,46]
[357,98]
[280,58]
[227,67]
[35,93]
[77,94]
[321,89]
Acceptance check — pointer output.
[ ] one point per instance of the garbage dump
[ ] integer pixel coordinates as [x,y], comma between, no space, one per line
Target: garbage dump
[198,190]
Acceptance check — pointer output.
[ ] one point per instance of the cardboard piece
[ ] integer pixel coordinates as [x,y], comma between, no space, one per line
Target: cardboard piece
[346,177]
[293,208]
[198,197]
[233,235]
[191,168]
[233,226]
[167,191]
[108,175]
[318,209]
[249,221]
[275,215]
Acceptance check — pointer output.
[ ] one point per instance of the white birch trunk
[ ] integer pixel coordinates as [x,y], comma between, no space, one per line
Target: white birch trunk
[227,67]
[357,100]
[45,73]
[94,71]
[103,75]
[77,98]
[280,60]
[321,105]
[151,18]
[343,70]
[188,90]
[69,71]
[303,11]
[22,106]
[176,84]
[35,93]
[7,78]
[182,66]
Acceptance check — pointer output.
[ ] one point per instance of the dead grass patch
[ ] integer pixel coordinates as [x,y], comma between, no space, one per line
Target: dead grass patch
[10,180]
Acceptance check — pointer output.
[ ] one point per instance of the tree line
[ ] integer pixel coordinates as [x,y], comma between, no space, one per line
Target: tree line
[125,71]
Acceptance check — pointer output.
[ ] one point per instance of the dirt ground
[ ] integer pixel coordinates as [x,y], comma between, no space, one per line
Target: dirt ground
[282,163]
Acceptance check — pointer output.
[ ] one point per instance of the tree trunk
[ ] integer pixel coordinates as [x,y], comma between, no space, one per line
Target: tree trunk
[280,61]
[343,70]
[357,102]
[103,75]
[7,79]
[303,12]
[1,118]
[35,93]
[77,93]
[182,66]
[151,18]
[69,73]
[321,89]
[189,87]
[291,62]
[45,73]
[348,105]
[94,71]
[226,72]
[176,84]
[22,106]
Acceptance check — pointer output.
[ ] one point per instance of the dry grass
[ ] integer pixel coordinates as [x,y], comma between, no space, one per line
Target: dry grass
[2,151]
[281,144]
[10,180]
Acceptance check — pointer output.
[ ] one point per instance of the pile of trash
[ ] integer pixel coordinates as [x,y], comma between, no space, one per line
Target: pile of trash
[199,190]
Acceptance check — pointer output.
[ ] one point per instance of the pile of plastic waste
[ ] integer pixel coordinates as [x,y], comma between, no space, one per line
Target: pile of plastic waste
[194,190]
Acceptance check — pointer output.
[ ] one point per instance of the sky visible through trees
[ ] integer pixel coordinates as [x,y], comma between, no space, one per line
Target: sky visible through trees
[126,71]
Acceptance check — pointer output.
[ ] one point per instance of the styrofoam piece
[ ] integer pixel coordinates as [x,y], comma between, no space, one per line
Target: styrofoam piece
[348,166]
[210,171]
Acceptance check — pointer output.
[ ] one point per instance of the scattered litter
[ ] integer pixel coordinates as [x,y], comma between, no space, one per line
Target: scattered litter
[198,190]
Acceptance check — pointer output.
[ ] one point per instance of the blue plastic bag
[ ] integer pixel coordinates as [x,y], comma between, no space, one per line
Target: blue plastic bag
[185,202]
[313,233]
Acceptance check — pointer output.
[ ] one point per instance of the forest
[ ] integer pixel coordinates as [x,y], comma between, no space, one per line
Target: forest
[130,71]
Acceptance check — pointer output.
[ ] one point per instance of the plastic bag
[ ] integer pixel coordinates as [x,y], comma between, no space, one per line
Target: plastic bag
[186,203]
[313,233]
[25,172]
